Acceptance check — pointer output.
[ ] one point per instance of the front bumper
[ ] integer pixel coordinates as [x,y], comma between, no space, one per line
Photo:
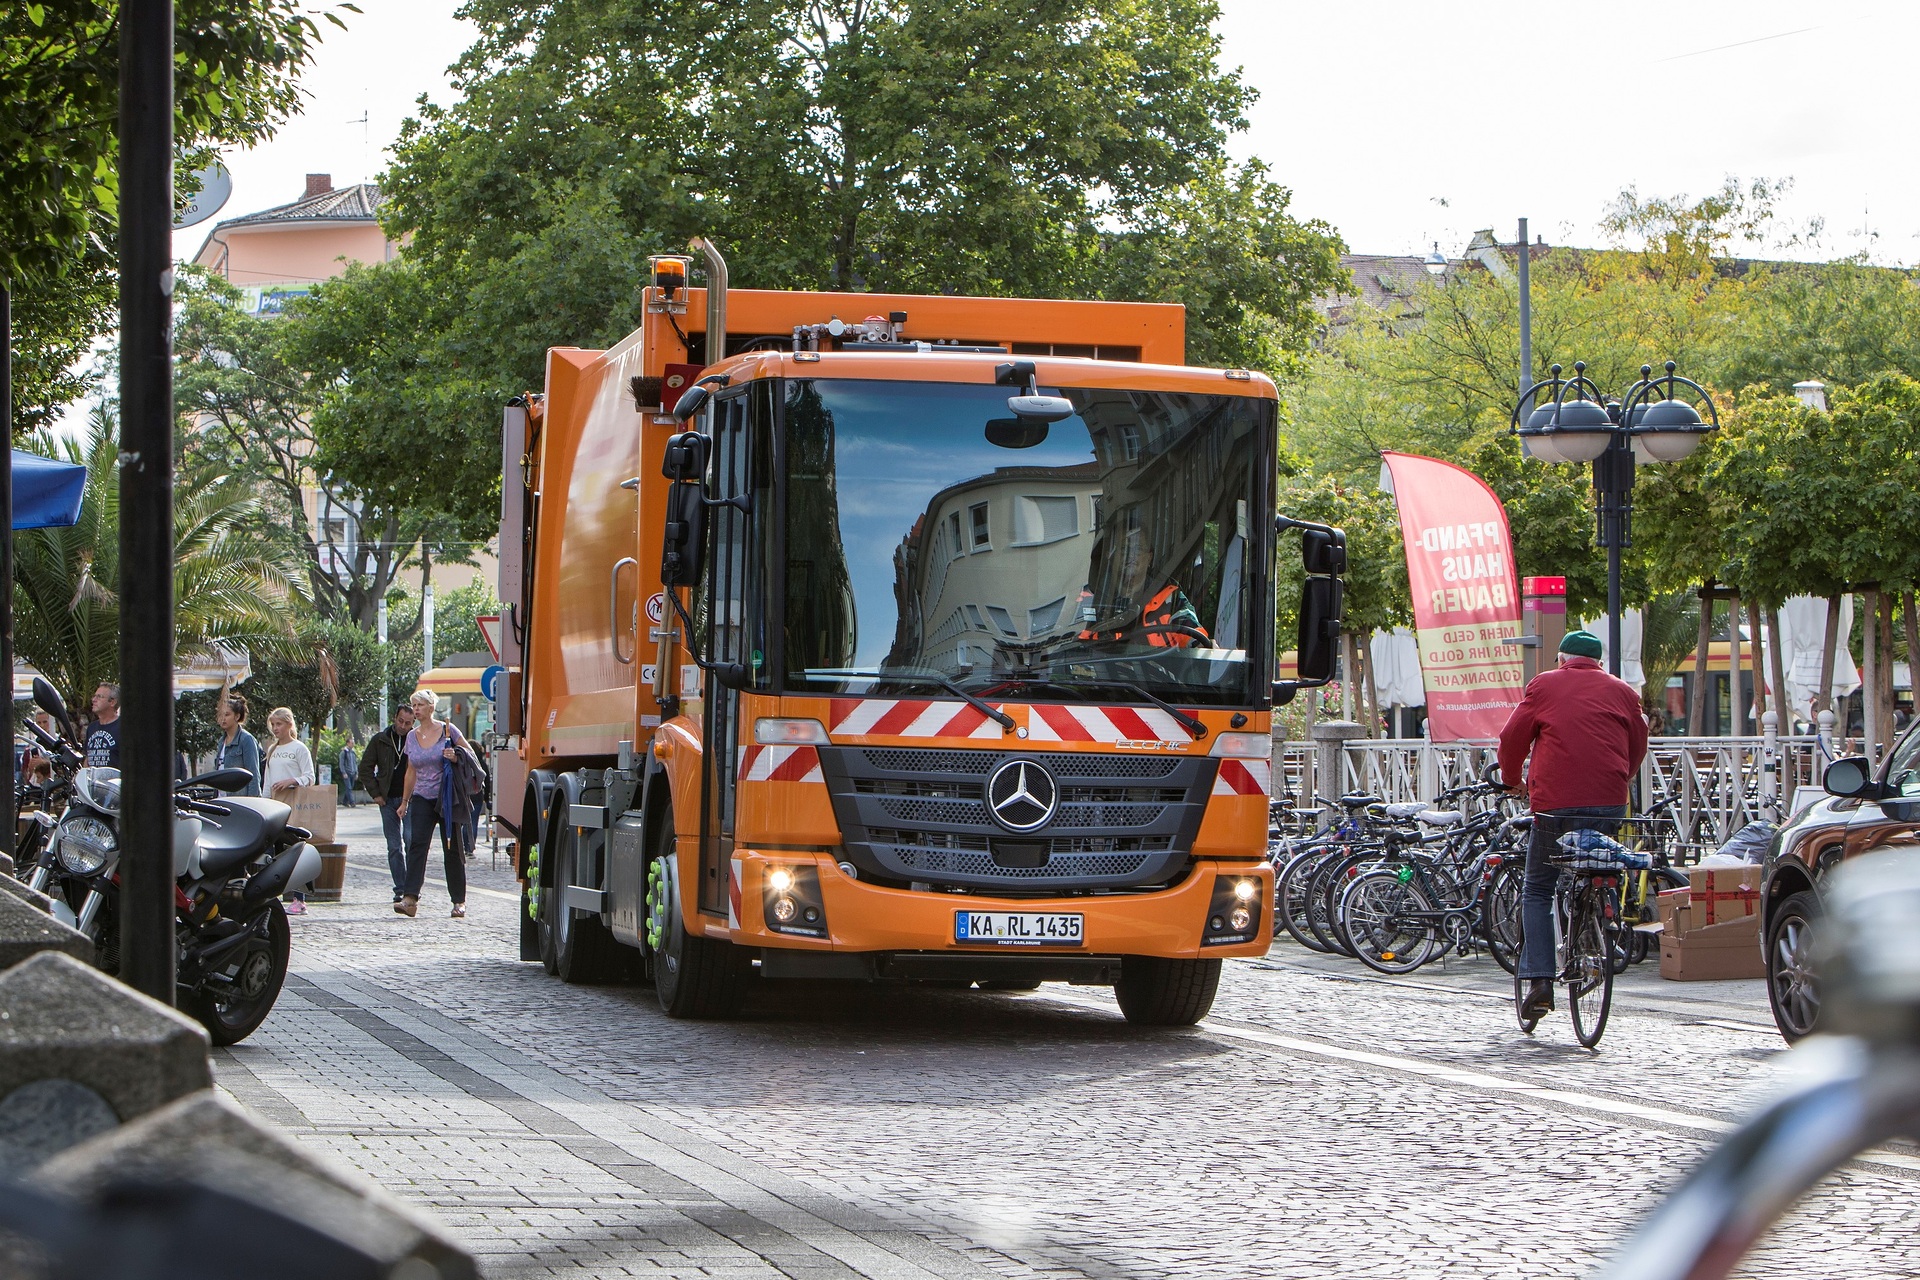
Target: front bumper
[865,917]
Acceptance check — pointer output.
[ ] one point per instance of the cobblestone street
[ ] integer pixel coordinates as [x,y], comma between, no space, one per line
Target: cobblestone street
[1323,1123]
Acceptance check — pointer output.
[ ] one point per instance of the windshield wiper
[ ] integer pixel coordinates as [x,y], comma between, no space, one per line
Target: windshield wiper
[1004,720]
[1192,725]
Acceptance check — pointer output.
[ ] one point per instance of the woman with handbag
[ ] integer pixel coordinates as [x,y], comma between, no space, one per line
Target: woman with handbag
[434,750]
[286,767]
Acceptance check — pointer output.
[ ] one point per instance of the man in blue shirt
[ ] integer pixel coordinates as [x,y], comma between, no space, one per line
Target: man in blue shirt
[103,738]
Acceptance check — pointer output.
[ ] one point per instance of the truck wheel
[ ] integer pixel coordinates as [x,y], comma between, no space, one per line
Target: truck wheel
[1166,993]
[582,950]
[693,977]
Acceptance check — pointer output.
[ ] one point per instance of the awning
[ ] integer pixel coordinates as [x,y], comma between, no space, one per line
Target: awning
[451,680]
[46,493]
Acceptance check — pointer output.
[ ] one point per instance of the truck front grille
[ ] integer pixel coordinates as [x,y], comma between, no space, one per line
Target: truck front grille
[922,816]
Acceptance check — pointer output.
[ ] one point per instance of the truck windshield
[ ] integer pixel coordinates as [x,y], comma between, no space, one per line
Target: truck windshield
[932,537]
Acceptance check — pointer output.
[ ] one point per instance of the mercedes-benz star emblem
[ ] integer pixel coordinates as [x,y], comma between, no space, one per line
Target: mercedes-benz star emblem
[1022,796]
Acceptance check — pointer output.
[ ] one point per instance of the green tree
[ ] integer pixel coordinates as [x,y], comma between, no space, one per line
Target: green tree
[1064,148]
[234,81]
[337,665]
[246,403]
[1840,322]
[232,593]
[454,628]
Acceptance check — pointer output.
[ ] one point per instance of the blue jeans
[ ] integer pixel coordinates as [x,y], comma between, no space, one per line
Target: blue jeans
[395,829]
[1536,900]
[424,817]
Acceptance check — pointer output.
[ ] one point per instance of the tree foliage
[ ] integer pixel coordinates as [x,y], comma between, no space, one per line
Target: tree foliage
[234,80]
[232,592]
[1064,148]
[336,665]
[247,404]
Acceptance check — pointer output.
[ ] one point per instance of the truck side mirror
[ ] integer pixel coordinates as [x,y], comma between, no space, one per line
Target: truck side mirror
[691,401]
[1323,551]
[684,542]
[1322,602]
[685,458]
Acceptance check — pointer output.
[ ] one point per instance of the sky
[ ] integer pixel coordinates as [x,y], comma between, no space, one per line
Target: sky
[1401,122]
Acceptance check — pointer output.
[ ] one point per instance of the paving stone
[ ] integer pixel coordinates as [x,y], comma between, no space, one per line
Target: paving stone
[576,1131]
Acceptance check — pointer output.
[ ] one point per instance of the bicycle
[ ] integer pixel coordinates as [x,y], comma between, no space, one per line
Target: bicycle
[1586,919]
[1399,918]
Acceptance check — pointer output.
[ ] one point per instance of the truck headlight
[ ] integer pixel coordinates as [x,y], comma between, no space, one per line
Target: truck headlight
[791,901]
[85,845]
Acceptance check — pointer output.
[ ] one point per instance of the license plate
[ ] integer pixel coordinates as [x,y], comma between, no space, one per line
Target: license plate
[1020,928]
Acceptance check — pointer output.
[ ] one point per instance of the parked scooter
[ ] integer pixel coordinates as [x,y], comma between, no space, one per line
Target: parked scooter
[233,856]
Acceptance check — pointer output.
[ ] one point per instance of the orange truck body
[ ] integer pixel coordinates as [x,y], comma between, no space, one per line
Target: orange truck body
[609,723]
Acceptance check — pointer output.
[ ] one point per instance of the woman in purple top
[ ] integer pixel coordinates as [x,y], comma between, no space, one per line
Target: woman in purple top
[429,750]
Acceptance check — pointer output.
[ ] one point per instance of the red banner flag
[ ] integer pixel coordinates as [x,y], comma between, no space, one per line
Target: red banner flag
[1460,570]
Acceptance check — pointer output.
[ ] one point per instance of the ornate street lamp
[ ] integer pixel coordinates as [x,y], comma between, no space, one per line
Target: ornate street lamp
[1575,422]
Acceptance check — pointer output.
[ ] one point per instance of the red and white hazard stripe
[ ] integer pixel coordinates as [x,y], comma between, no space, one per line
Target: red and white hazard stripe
[1244,778]
[908,718]
[733,895]
[1057,723]
[779,764]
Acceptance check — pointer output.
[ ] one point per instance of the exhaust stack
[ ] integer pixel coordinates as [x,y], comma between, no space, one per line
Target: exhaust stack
[716,298]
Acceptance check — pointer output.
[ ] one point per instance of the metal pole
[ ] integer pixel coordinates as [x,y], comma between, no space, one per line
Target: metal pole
[1526,318]
[6,518]
[1613,485]
[146,496]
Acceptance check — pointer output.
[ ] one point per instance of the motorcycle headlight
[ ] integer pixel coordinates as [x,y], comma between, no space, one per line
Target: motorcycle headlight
[85,845]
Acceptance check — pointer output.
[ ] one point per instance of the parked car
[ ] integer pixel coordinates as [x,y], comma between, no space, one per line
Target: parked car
[1862,810]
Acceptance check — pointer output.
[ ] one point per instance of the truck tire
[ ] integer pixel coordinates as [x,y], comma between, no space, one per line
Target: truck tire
[1166,993]
[693,977]
[583,951]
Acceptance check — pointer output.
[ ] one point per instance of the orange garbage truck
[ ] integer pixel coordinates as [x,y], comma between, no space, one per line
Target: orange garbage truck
[895,639]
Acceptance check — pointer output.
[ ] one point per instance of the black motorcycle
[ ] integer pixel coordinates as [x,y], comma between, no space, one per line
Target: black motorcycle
[233,856]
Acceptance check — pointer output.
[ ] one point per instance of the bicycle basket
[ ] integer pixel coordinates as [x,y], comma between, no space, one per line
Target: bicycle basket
[1587,850]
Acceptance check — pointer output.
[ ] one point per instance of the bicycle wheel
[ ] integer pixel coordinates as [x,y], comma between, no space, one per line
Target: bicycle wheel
[1290,897]
[1389,921]
[1500,914]
[1324,901]
[1589,973]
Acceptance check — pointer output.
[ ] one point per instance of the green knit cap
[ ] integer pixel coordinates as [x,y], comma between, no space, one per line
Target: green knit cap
[1581,644]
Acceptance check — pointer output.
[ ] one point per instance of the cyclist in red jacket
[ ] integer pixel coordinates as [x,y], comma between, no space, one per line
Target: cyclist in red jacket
[1587,735]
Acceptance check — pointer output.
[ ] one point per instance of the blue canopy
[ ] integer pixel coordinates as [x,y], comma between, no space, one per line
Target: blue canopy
[46,493]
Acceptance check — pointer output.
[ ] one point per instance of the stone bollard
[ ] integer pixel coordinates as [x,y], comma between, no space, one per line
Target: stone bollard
[81,1052]
[1330,739]
[26,929]
[204,1140]
[27,894]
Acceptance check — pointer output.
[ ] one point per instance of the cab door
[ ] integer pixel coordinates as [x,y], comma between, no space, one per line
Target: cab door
[740,471]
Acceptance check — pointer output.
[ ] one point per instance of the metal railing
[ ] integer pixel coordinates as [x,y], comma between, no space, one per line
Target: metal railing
[1719,784]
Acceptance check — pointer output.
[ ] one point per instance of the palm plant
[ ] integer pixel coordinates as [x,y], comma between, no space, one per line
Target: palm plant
[231,591]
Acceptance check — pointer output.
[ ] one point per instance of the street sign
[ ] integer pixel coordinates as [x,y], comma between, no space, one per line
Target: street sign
[490,632]
[216,184]
[490,679]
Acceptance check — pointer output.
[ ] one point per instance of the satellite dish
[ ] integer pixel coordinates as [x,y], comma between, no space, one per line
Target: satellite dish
[216,184]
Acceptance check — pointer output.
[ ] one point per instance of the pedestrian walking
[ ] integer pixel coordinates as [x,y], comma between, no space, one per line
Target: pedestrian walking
[383,775]
[103,735]
[1586,736]
[346,768]
[440,770]
[286,767]
[237,749]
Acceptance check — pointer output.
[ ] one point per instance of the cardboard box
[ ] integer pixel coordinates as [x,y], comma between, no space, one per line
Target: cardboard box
[1719,894]
[314,809]
[1713,952]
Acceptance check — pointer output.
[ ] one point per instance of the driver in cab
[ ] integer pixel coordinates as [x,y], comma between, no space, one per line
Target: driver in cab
[1168,620]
